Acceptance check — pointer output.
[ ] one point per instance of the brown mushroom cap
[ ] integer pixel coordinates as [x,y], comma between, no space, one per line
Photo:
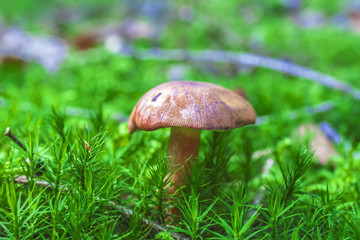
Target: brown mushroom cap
[197,105]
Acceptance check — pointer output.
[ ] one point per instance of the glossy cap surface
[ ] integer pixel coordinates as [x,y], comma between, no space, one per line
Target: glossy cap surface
[197,105]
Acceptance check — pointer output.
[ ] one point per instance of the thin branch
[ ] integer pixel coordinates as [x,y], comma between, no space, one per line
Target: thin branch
[322,107]
[12,137]
[248,59]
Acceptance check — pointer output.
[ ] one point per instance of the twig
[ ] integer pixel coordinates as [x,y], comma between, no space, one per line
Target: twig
[336,138]
[322,107]
[248,59]
[39,166]
[12,137]
[24,180]
[127,211]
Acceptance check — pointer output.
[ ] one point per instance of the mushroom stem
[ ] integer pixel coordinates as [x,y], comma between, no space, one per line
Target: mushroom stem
[183,145]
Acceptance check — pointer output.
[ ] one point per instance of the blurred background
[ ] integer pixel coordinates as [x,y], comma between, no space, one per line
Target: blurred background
[294,59]
[296,62]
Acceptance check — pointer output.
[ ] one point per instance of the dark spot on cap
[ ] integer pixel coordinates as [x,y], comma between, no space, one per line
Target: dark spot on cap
[156,97]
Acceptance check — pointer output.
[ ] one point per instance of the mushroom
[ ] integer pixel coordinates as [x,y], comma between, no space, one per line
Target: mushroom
[320,144]
[189,107]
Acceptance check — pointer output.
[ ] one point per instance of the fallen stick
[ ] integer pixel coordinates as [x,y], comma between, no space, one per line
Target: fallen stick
[9,134]
[248,59]
[319,108]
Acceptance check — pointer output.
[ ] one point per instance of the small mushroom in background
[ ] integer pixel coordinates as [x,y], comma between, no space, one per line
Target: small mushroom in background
[354,20]
[86,40]
[321,145]
[12,61]
[189,107]
[127,31]
[241,92]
